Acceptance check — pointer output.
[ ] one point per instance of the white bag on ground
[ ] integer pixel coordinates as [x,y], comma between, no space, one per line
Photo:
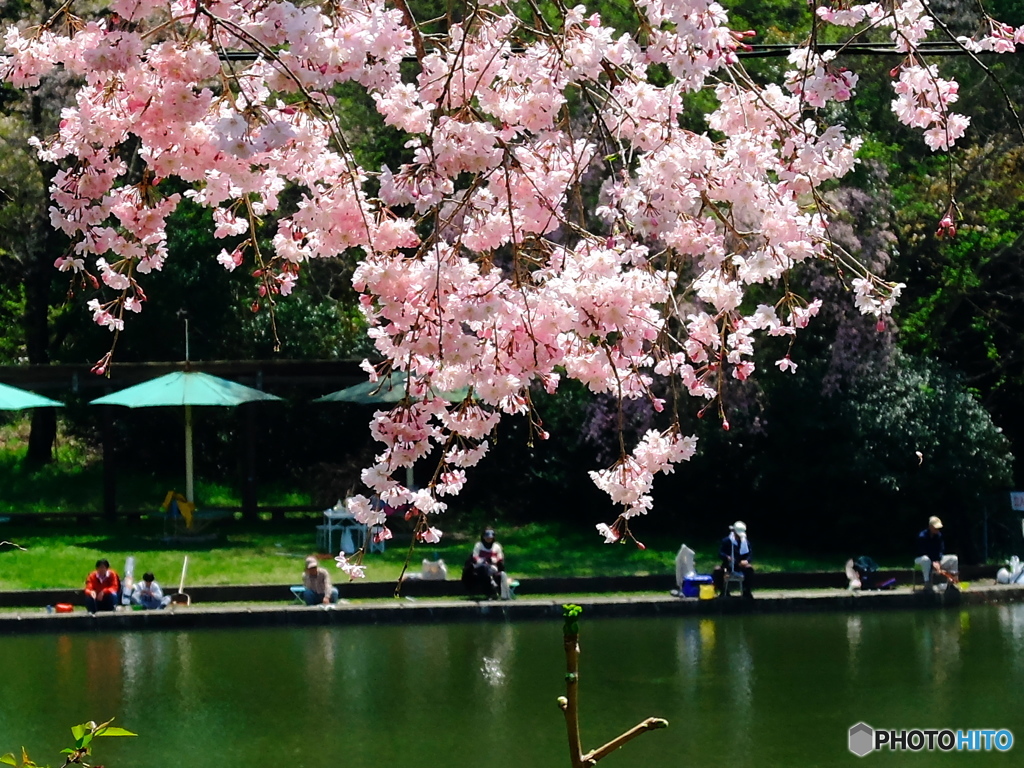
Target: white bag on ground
[433,570]
[1012,575]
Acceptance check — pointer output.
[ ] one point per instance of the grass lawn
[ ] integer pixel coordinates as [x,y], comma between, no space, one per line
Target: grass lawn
[266,552]
[272,553]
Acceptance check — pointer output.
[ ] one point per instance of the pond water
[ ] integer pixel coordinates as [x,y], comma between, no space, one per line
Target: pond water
[738,691]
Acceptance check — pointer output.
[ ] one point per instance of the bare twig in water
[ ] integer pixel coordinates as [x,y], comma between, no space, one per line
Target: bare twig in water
[569,704]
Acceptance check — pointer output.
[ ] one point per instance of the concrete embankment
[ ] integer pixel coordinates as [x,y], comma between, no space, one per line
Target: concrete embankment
[568,585]
[425,610]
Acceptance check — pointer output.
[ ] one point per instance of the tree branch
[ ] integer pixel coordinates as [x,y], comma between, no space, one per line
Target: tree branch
[569,704]
[650,724]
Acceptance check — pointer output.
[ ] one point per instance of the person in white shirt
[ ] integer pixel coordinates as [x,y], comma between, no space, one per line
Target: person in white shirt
[148,594]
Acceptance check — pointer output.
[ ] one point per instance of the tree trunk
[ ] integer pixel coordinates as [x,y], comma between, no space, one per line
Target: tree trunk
[45,246]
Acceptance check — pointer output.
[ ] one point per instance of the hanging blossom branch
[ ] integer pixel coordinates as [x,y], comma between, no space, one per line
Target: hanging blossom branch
[479,266]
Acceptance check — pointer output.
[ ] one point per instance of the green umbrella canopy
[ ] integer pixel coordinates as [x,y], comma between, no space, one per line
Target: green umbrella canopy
[389,390]
[14,399]
[185,388]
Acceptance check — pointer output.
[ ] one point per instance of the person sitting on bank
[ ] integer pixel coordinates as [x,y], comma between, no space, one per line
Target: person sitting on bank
[932,557]
[316,583]
[102,587]
[483,571]
[736,554]
[148,594]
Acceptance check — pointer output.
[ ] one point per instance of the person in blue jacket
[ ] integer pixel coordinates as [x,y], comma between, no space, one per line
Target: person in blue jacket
[736,554]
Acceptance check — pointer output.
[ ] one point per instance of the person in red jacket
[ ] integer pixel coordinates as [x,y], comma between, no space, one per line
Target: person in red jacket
[102,588]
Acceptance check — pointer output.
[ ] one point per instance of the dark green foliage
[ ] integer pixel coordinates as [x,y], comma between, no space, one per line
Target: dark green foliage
[864,468]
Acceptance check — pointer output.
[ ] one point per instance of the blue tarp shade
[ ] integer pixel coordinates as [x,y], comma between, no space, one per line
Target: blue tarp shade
[185,388]
[387,390]
[14,399]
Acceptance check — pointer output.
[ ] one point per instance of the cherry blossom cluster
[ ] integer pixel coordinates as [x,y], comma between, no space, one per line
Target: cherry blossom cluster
[922,96]
[922,101]
[552,217]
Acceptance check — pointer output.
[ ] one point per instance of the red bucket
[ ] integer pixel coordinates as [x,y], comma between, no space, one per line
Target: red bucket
[64,608]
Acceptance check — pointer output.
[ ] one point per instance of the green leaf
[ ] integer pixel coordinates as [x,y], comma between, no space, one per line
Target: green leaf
[78,731]
[114,731]
[570,613]
[8,759]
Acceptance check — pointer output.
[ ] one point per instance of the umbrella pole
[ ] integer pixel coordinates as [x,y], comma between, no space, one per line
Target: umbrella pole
[189,487]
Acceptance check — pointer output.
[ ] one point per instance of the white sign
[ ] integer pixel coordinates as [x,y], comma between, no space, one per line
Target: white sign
[1017,500]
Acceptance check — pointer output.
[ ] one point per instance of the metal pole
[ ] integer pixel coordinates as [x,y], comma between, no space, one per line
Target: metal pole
[189,489]
[984,535]
[109,464]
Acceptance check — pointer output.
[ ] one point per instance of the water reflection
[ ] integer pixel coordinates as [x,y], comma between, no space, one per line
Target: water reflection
[854,628]
[494,665]
[742,691]
[939,649]
[142,658]
[1011,619]
[740,681]
[715,681]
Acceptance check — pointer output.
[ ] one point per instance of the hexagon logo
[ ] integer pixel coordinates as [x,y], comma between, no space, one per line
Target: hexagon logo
[862,739]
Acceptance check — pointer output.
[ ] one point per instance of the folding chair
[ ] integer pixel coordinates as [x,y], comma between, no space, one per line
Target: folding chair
[297,593]
[732,577]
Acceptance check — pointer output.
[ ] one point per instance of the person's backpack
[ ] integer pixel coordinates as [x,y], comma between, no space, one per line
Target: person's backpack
[865,567]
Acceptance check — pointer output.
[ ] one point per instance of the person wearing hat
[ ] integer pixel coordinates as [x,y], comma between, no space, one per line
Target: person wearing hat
[736,554]
[931,554]
[316,584]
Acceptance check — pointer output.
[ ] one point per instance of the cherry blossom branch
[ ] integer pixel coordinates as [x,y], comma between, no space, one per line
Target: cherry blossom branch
[1007,100]
[481,266]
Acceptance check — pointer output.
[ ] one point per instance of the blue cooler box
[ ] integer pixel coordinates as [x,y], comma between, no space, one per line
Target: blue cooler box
[691,586]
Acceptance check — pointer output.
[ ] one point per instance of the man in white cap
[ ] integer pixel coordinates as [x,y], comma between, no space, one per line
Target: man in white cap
[931,554]
[736,555]
[316,583]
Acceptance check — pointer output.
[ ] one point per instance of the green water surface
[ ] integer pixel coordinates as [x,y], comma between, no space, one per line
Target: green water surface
[738,691]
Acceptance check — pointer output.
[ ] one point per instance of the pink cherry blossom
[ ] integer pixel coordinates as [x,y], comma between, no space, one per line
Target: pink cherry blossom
[477,266]
[352,570]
